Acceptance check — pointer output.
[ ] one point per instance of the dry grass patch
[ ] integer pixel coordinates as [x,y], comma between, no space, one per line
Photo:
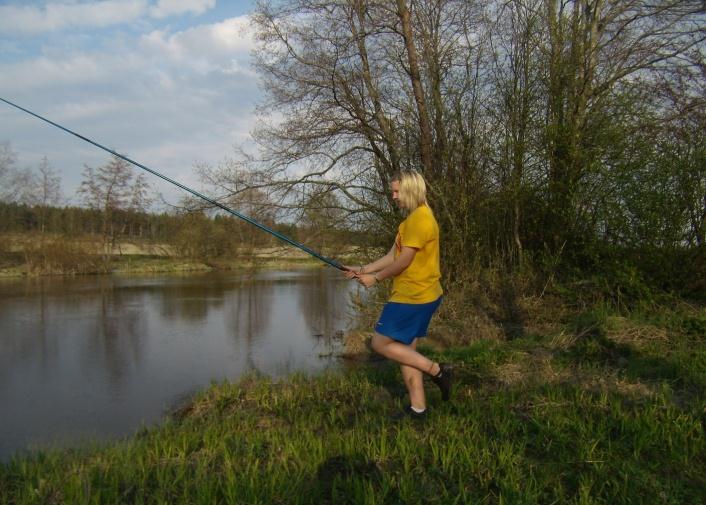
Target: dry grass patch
[614,383]
[538,367]
[562,340]
[635,390]
[545,315]
[535,367]
[356,345]
[624,331]
[474,325]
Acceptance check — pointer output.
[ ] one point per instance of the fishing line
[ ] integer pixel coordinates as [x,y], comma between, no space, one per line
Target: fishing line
[248,219]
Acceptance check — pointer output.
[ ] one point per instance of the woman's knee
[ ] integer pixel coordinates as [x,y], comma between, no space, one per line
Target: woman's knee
[379,342]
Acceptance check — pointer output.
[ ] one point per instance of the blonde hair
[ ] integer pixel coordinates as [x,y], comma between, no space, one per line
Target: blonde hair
[413,189]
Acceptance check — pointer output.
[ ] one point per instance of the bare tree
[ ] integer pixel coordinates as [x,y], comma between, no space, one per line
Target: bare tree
[47,190]
[363,89]
[415,77]
[323,72]
[592,46]
[321,218]
[111,188]
[507,107]
[16,184]
[516,108]
[7,169]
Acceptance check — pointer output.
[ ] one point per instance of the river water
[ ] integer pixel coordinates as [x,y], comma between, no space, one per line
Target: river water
[99,357]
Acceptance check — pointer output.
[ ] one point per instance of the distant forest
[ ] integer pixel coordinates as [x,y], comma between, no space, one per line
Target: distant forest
[192,234]
[116,206]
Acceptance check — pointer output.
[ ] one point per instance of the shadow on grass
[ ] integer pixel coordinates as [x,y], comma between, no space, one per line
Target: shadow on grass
[512,320]
[393,396]
[345,478]
[505,310]
[593,347]
[386,375]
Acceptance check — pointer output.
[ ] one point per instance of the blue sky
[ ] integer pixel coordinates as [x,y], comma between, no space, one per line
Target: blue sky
[166,82]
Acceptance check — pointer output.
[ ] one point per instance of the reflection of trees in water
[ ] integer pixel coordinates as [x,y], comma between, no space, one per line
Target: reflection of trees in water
[248,317]
[22,341]
[109,340]
[116,340]
[323,301]
[110,335]
[191,299]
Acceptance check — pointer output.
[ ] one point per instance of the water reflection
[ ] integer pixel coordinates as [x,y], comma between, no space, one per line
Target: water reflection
[191,301]
[99,356]
[322,293]
[115,335]
[247,317]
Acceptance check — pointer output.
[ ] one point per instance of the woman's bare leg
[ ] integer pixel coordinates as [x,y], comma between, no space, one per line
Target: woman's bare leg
[414,381]
[403,354]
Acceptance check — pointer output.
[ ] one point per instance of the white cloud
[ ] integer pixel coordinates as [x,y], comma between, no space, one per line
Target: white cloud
[205,48]
[65,15]
[167,99]
[58,16]
[165,8]
[46,72]
[75,111]
[161,61]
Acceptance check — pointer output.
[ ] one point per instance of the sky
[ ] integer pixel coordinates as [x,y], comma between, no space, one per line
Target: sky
[166,82]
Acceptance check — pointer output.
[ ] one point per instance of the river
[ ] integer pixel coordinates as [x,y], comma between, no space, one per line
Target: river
[99,357]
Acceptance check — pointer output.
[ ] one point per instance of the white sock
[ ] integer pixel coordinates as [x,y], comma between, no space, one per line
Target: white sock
[418,411]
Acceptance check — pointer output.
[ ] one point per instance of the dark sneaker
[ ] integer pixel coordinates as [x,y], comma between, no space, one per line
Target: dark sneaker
[443,380]
[408,413]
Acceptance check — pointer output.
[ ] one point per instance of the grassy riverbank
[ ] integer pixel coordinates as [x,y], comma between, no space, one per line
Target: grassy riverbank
[602,408]
[32,256]
[141,264]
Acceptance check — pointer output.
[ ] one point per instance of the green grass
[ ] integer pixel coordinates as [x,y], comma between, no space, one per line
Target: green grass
[144,264]
[607,410]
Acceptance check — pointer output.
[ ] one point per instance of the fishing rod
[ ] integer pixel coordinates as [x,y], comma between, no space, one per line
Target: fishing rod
[248,219]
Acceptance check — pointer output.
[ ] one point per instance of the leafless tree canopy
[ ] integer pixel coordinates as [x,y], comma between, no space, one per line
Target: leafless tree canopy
[26,186]
[538,124]
[111,188]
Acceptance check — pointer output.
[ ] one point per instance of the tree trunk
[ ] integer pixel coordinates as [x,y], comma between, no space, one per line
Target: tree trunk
[415,77]
[382,120]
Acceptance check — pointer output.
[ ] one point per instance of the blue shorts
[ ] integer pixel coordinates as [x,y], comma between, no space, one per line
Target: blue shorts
[406,321]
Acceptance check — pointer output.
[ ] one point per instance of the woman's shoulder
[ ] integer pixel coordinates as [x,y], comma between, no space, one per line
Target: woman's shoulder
[421,212]
[421,218]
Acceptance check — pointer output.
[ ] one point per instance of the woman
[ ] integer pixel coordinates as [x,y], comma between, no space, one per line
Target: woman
[413,265]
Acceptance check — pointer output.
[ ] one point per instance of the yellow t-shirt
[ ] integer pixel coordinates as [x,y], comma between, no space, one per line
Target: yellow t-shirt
[420,281]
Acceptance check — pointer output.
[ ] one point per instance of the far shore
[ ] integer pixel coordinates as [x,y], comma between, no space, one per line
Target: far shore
[141,264]
[30,255]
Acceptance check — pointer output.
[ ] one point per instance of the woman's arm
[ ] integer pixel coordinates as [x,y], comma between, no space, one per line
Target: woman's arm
[380,264]
[373,267]
[397,266]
